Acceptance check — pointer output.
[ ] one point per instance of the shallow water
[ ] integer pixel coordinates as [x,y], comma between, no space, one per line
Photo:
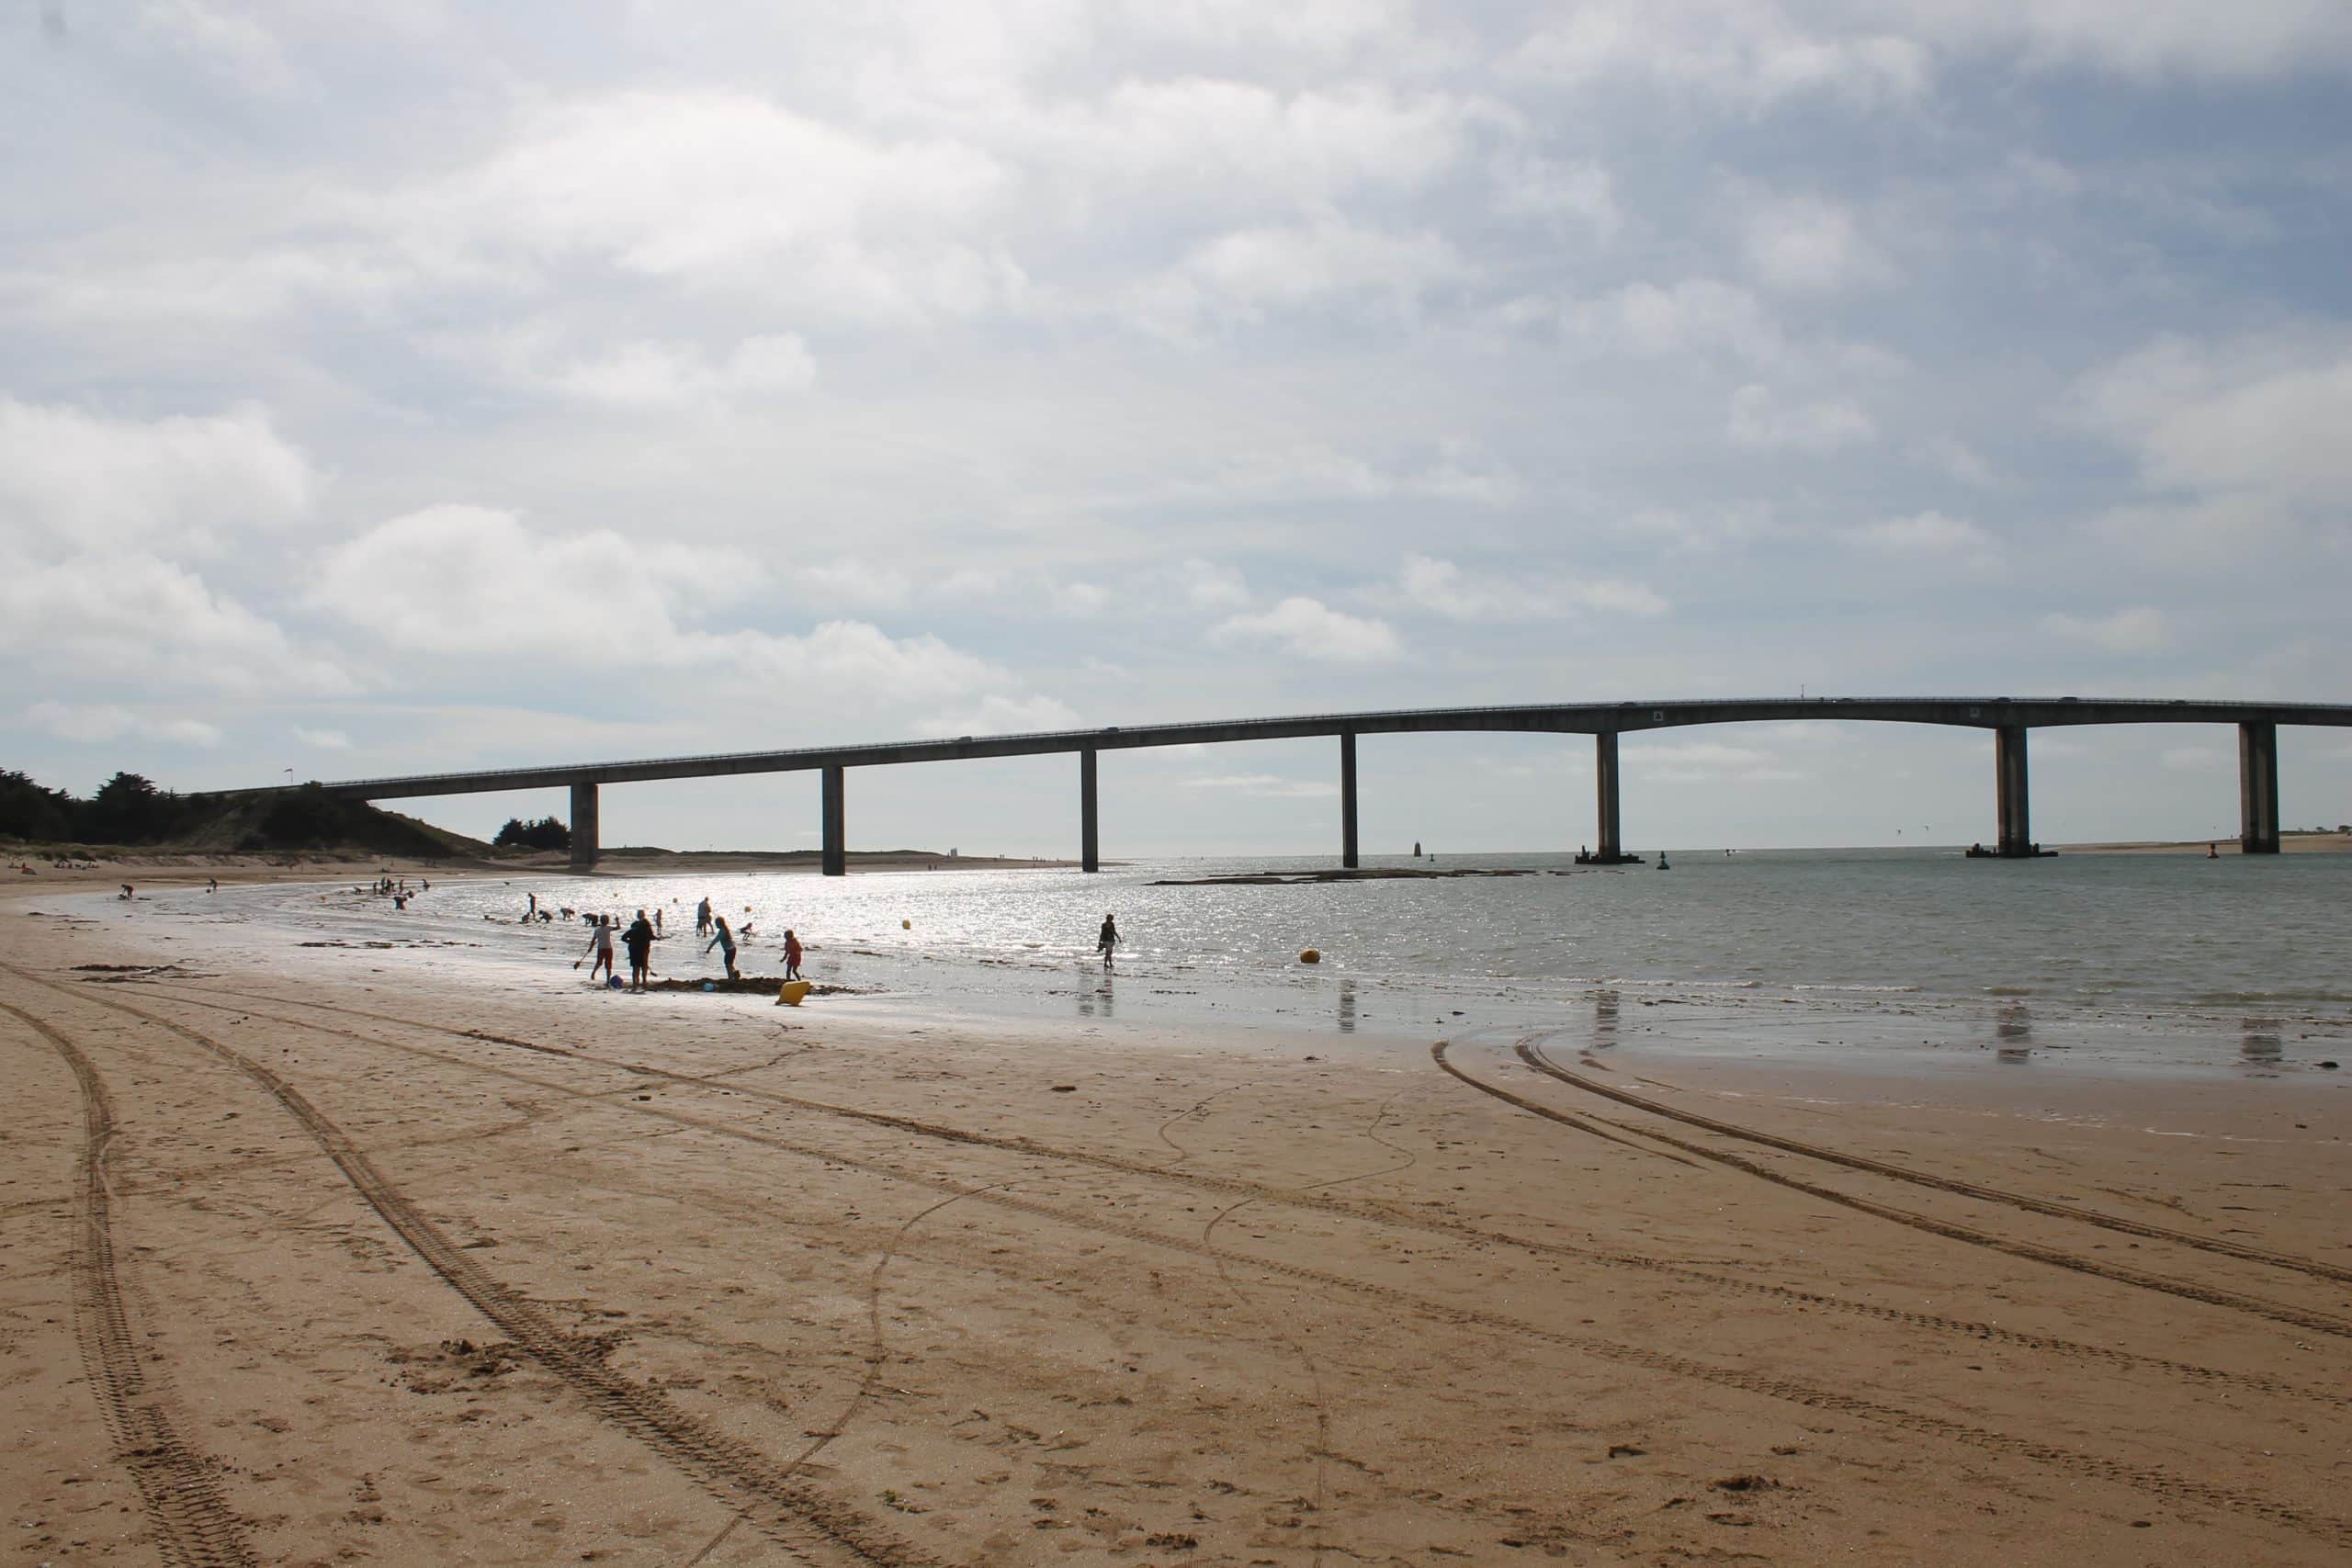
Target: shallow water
[2148,960]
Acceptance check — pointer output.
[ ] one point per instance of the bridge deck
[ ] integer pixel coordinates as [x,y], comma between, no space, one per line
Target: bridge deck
[1569,719]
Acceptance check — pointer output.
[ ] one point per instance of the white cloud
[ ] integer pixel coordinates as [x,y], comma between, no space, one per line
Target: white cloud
[1956,459]
[648,375]
[460,581]
[1260,786]
[1313,630]
[1244,275]
[1747,55]
[853,584]
[1807,244]
[2149,39]
[1428,583]
[2196,759]
[89,725]
[999,715]
[1762,422]
[1581,191]
[324,739]
[88,480]
[124,615]
[2137,630]
[1698,762]
[1080,601]
[237,47]
[1925,533]
[2259,420]
[1211,585]
[713,188]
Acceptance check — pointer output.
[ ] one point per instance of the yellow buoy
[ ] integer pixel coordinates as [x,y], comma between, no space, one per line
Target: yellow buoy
[790,993]
[1310,956]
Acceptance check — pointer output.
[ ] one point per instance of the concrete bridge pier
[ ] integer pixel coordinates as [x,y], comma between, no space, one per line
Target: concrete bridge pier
[1611,850]
[584,847]
[836,832]
[1348,856]
[1089,850]
[2258,789]
[2009,790]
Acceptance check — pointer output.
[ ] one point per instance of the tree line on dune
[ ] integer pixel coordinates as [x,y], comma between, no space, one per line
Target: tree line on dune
[131,811]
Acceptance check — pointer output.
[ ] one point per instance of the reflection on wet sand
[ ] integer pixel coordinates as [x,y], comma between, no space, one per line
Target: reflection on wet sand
[1604,1020]
[2259,1041]
[2013,1033]
[1095,997]
[1347,1006]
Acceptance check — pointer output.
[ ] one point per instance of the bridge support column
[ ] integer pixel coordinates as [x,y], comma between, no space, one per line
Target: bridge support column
[2010,794]
[1348,856]
[584,827]
[1611,850]
[2258,789]
[1089,850]
[836,832]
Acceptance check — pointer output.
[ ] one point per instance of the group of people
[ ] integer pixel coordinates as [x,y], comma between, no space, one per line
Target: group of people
[711,929]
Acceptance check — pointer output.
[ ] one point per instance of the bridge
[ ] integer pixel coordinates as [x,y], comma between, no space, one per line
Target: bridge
[2010,720]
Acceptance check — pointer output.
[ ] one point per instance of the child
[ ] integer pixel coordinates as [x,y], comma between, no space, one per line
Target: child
[791,955]
[725,942]
[601,945]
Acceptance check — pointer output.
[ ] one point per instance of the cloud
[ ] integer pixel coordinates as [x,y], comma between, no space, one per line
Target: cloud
[1580,191]
[1260,786]
[324,739]
[1313,630]
[1748,56]
[87,725]
[2149,39]
[1761,422]
[2196,759]
[2138,630]
[1702,762]
[1428,583]
[649,375]
[853,584]
[127,615]
[712,188]
[1212,585]
[465,582]
[999,715]
[1080,601]
[1243,276]
[2231,436]
[88,480]
[1930,537]
[461,581]
[1808,245]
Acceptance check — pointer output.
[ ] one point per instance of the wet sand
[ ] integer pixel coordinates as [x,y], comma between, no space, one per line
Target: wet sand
[360,1268]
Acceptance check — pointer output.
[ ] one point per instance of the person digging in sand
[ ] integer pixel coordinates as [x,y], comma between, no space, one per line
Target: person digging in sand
[600,946]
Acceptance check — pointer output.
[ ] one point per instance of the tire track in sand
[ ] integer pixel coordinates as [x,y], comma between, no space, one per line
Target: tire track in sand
[2032,1252]
[2164,1486]
[731,1471]
[194,1526]
[1788,1296]
[1534,1057]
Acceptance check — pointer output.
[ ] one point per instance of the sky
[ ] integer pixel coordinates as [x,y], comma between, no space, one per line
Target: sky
[407,388]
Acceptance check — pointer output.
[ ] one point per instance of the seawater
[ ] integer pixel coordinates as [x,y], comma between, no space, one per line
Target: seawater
[2144,959]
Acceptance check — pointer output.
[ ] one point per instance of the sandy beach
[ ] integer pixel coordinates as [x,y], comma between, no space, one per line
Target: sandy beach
[365,1269]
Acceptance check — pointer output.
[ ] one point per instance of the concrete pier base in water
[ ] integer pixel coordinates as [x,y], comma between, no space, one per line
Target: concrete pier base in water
[836,832]
[2258,789]
[585,848]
